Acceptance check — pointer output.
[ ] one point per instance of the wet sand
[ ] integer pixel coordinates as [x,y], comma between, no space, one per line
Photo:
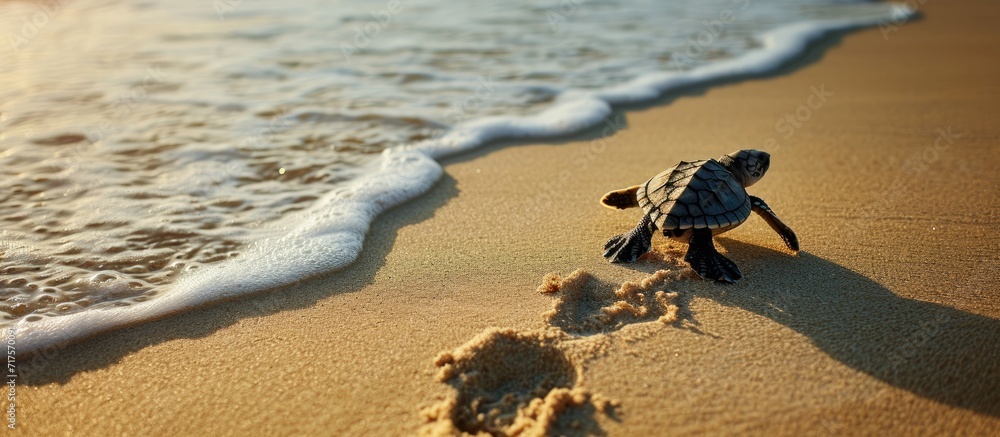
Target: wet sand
[886,322]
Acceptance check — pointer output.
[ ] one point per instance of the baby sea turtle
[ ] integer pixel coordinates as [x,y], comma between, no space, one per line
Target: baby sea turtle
[692,201]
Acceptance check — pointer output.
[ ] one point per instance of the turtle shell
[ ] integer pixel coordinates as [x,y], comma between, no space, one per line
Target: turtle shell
[694,194]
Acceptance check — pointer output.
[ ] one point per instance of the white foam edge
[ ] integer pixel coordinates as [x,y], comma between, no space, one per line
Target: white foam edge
[328,236]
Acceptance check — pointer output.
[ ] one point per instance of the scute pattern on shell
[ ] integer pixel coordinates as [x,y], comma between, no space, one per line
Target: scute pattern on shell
[694,194]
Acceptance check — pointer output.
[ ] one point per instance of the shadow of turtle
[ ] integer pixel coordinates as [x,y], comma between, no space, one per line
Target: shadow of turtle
[935,351]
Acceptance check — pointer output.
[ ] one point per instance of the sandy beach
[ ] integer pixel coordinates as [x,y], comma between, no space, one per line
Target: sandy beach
[883,150]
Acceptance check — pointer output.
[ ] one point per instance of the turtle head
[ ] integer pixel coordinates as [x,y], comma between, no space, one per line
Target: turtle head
[748,166]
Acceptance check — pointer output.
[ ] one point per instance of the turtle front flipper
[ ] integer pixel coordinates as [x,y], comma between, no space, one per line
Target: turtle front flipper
[621,199]
[772,220]
[707,261]
[628,247]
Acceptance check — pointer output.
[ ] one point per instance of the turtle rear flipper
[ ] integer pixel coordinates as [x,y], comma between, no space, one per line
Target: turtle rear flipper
[621,199]
[628,247]
[708,262]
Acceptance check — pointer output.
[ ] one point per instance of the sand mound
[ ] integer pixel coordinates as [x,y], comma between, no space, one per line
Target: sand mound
[512,382]
[582,305]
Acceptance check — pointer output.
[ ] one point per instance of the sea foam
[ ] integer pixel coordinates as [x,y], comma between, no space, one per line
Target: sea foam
[329,235]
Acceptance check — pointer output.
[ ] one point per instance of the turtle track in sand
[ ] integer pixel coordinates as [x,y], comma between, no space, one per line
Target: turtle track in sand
[530,382]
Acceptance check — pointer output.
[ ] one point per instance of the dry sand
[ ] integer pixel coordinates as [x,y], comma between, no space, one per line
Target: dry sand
[887,322]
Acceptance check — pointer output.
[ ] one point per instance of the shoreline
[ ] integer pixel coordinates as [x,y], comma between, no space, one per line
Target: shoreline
[405,173]
[354,351]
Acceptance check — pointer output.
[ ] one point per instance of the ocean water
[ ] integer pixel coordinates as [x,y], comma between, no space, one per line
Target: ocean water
[159,155]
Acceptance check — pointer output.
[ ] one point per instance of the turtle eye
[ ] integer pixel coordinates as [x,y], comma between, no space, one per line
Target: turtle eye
[756,174]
